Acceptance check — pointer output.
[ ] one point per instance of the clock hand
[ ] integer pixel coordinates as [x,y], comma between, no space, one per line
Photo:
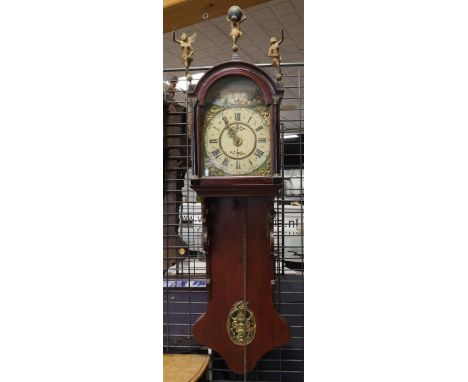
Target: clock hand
[236,138]
[232,132]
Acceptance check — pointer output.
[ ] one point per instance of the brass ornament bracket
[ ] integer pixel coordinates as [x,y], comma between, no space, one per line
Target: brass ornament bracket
[276,99]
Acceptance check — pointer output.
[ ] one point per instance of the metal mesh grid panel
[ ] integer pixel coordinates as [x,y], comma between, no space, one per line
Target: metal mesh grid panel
[184,280]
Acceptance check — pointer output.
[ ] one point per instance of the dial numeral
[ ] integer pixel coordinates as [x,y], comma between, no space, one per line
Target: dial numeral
[216,153]
[259,153]
[237,115]
[237,165]
[261,140]
[213,140]
[225,162]
[259,128]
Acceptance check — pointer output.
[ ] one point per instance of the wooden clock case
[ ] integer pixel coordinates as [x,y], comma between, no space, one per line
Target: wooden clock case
[238,216]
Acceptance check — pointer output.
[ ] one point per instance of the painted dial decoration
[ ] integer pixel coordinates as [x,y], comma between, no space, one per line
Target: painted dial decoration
[237,142]
[236,135]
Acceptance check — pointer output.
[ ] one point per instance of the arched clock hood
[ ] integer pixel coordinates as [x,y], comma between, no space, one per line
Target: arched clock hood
[237,68]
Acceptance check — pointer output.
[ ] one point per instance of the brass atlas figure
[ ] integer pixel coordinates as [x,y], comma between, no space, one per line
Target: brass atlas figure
[274,53]
[185,44]
[235,16]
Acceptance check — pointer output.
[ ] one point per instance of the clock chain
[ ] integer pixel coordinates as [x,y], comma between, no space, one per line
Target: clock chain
[244,264]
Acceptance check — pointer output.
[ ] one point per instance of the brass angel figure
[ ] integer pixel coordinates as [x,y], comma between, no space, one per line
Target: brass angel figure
[185,44]
[274,53]
[235,17]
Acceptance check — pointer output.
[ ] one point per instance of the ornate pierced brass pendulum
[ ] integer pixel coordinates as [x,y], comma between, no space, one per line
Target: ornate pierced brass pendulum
[241,324]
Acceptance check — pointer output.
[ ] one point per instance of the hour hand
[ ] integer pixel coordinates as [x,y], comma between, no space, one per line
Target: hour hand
[232,133]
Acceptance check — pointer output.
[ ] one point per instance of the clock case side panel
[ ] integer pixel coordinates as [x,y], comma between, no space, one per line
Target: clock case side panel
[236,185]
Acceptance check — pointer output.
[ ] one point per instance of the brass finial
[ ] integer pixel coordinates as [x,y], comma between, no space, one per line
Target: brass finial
[185,44]
[235,16]
[274,53]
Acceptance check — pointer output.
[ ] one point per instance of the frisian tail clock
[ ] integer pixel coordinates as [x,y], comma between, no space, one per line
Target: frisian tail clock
[236,167]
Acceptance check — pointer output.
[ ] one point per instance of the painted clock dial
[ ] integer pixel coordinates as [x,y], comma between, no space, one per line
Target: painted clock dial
[236,134]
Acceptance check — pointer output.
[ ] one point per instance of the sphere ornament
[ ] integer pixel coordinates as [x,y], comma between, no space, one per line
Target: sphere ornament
[236,12]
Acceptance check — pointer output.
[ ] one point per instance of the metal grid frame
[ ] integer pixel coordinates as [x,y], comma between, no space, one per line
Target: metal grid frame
[183,283]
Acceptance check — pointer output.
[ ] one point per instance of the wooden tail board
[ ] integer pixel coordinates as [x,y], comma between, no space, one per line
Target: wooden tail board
[263,329]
